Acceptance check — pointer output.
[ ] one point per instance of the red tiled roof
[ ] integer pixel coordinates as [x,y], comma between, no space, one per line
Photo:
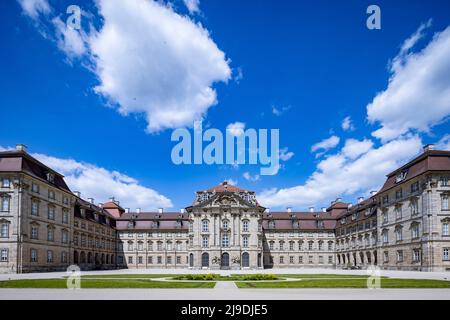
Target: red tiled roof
[225,186]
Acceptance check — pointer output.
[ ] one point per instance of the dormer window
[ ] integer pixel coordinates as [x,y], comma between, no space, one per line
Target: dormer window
[225,224]
[130,224]
[401,176]
[96,216]
[398,194]
[83,212]
[319,224]
[50,177]
[295,224]
[271,224]
[354,216]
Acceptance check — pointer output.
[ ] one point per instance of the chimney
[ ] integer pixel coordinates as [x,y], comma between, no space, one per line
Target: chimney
[324,209]
[428,147]
[77,193]
[289,209]
[160,210]
[91,200]
[182,211]
[112,199]
[372,193]
[21,147]
[127,210]
[338,200]
[100,205]
[350,205]
[311,209]
[138,210]
[360,199]
[267,210]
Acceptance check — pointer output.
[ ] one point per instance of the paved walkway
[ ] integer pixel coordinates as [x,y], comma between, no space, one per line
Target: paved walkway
[225,294]
[225,285]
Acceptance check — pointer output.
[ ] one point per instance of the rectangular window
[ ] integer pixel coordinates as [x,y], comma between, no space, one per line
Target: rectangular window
[51,194]
[300,259]
[245,226]
[386,256]
[445,229]
[159,260]
[130,259]
[49,256]
[444,182]
[35,188]
[140,246]
[6,183]
[5,204]
[51,213]
[415,187]
[4,230]
[225,240]
[150,260]
[310,259]
[416,255]
[160,246]
[169,260]
[415,231]
[398,212]
[444,202]
[65,237]
[320,259]
[330,259]
[245,242]
[65,217]
[281,259]
[398,194]
[178,259]
[140,260]
[385,199]
[291,260]
[33,255]
[50,234]
[64,257]
[34,208]
[4,255]
[400,256]
[34,232]
[310,245]
[445,254]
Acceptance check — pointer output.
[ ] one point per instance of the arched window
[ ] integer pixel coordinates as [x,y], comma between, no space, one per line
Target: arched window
[205,225]
[191,260]
[225,261]
[245,260]
[225,224]
[75,257]
[205,259]
[82,257]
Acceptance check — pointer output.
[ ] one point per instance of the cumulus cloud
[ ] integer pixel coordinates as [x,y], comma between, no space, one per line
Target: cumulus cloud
[151,60]
[443,143]
[418,93]
[35,8]
[326,144]
[148,59]
[346,173]
[247,176]
[69,40]
[99,183]
[193,6]
[236,128]
[347,124]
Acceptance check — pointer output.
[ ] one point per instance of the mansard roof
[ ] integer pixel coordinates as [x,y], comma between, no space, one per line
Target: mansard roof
[430,160]
[21,161]
[144,221]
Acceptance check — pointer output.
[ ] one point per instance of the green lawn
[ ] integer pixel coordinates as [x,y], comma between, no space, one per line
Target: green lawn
[130,276]
[233,277]
[318,276]
[90,284]
[348,283]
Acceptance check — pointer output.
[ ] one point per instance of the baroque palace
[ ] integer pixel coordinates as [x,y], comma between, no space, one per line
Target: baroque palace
[44,226]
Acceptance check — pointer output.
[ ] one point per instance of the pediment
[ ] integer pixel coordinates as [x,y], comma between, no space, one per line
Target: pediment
[225,199]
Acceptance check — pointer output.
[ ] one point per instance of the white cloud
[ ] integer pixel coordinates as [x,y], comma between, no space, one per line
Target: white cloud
[347,124]
[232,182]
[34,8]
[343,175]
[418,94]
[443,143]
[249,177]
[239,75]
[326,144]
[236,129]
[278,111]
[69,40]
[285,155]
[192,5]
[99,183]
[354,148]
[151,60]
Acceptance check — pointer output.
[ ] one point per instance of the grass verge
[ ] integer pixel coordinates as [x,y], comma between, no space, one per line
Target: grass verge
[348,283]
[113,284]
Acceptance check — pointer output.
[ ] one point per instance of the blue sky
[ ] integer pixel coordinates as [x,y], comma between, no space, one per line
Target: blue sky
[300,66]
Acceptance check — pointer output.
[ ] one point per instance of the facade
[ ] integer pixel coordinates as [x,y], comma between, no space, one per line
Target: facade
[46,227]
